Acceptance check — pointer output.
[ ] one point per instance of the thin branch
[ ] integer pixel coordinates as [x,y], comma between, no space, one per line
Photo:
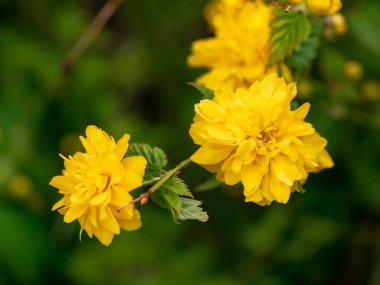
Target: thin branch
[143,198]
[286,6]
[92,31]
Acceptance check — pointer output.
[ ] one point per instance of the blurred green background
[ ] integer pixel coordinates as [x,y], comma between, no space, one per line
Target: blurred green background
[133,79]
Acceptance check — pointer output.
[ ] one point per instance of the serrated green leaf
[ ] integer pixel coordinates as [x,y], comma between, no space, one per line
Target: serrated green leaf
[308,49]
[166,199]
[191,211]
[176,185]
[156,157]
[206,92]
[289,31]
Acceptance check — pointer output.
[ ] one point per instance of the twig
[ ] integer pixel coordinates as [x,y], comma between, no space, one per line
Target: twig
[92,31]
[286,6]
[143,198]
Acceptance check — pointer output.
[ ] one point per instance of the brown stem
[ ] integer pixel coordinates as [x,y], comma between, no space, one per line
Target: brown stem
[284,5]
[92,31]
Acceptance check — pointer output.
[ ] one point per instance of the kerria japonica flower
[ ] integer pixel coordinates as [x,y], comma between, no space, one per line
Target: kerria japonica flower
[96,182]
[323,7]
[239,52]
[252,136]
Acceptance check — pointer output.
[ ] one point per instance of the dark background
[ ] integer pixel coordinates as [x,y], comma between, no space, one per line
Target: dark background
[133,79]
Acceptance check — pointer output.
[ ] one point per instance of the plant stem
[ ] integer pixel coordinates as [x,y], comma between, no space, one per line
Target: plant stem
[92,31]
[143,198]
[168,175]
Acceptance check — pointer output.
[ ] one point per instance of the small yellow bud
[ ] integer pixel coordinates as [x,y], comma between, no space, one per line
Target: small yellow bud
[339,24]
[323,7]
[370,90]
[353,70]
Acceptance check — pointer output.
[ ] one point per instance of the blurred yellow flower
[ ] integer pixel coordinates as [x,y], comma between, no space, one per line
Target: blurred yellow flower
[96,182]
[253,136]
[339,24]
[353,70]
[238,54]
[323,7]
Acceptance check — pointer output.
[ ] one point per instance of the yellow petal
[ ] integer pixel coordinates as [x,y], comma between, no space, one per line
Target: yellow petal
[265,188]
[280,190]
[100,198]
[122,146]
[110,222]
[74,212]
[62,182]
[103,235]
[251,176]
[131,225]
[119,196]
[231,178]
[209,109]
[324,161]
[284,169]
[253,196]
[207,155]
[59,204]
[136,164]
[130,181]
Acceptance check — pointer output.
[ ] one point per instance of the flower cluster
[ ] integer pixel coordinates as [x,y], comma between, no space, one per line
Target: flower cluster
[95,183]
[238,54]
[323,7]
[252,136]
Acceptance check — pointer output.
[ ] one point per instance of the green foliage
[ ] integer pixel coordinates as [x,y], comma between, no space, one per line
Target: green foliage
[308,49]
[191,210]
[177,186]
[156,158]
[289,31]
[133,79]
[206,92]
[171,195]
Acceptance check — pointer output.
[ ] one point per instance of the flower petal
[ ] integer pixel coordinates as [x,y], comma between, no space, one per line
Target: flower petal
[74,212]
[207,155]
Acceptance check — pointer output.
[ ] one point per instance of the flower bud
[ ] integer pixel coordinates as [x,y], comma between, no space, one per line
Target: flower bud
[370,90]
[323,7]
[339,24]
[353,70]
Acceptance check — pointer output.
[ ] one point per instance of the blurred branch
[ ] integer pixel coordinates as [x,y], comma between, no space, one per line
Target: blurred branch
[93,30]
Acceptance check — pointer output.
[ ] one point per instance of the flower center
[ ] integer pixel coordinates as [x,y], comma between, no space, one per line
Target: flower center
[266,140]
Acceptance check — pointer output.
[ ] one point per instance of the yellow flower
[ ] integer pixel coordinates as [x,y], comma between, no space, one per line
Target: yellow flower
[96,182]
[339,24]
[253,136]
[323,7]
[238,54]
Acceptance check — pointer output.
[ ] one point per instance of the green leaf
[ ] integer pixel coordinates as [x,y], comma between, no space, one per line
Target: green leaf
[206,92]
[308,49]
[191,211]
[170,196]
[289,31]
[177,186]
[156,157]
[166,199]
